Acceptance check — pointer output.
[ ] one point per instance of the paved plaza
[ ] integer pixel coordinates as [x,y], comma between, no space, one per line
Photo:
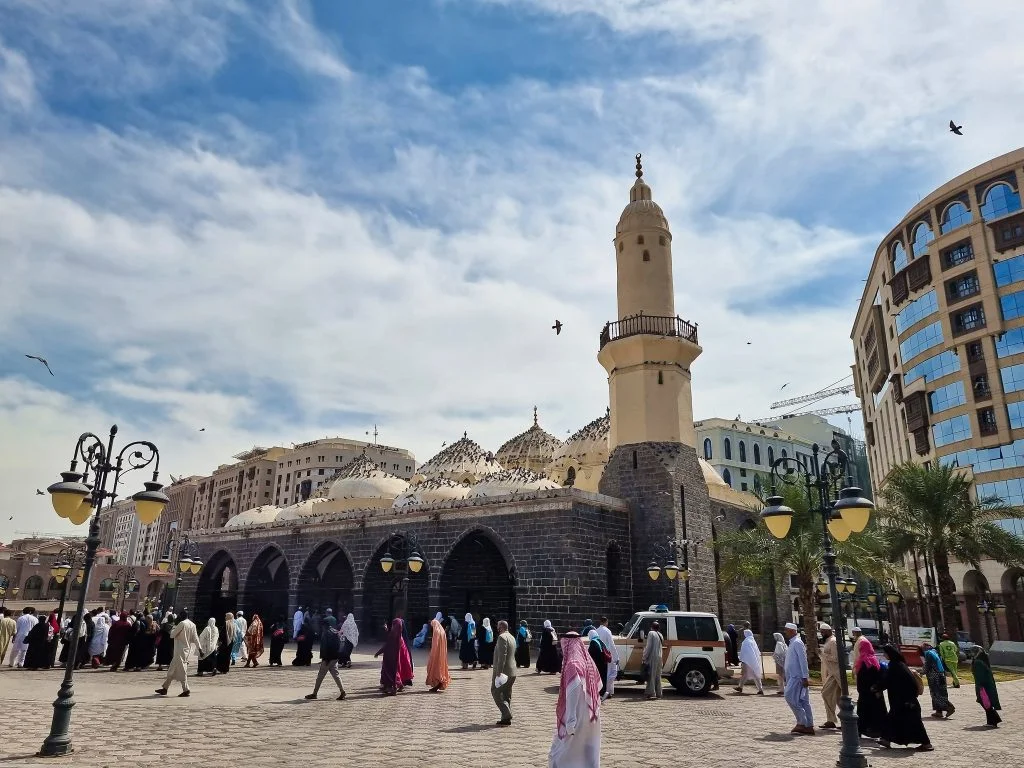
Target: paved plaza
[259,717]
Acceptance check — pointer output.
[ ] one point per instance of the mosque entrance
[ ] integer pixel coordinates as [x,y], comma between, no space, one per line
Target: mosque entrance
[477,578]
[396,593]
[326,581]
[217,590]
[266,588]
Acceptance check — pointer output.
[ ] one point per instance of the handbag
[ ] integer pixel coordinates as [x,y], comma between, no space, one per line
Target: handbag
[918,681]
[986,702]
[300,639]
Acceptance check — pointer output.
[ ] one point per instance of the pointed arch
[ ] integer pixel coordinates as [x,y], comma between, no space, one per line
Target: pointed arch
[727,448]
[267,583]
[479,576]
[326,579]
[708,452]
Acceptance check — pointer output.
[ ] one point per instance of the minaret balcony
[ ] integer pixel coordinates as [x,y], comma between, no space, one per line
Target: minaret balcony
[649,324]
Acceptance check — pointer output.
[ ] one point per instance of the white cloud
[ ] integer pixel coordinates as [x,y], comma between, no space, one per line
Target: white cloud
[290,29]
[17,81]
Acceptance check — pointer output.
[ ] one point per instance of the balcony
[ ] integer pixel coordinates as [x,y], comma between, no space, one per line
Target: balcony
[654,325]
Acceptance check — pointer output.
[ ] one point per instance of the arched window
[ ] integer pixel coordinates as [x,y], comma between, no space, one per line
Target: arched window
[107,585]
[771,455]
[1000,200]
[639,239]
[757,484]
[757,453]
[33,588]
[784,454]
[647,255]
[707,449]
[612,566]
[727,476]
[570,476]
[955,215]
[899,257]
[53,588]
[743,451]
[922,236]
[728,448]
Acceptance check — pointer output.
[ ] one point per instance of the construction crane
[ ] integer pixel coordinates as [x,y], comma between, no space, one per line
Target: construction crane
[819,395]
[848,408]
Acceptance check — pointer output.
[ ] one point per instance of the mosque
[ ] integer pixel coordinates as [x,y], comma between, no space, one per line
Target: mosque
[539,529]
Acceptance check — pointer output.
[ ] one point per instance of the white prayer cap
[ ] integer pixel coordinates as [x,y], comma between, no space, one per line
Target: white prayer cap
[823,627]
[791,625]
[856,631]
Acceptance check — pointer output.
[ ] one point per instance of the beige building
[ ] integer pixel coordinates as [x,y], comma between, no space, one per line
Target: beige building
[939,348]
[233,488]
[740,451]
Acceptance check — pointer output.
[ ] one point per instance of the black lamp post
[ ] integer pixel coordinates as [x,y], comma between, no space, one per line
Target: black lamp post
[843,511]
[75,500]
[401,558]
[126,584]
[5,587]
[68,560]
[664,561]
[182,557]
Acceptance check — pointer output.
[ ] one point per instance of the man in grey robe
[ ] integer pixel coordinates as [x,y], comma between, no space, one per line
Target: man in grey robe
[652,661]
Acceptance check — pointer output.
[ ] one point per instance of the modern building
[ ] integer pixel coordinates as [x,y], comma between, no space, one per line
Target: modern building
[236,487]
[939,350]
[742,451]
[177,515]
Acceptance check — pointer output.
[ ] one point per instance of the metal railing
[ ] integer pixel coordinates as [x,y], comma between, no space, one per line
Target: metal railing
[655,325]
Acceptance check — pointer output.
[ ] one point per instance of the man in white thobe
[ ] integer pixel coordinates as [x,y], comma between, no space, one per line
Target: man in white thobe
[831,685]
[577,740]
[797,682]
[26,621]
[297,620]
[607,639]
[185,641]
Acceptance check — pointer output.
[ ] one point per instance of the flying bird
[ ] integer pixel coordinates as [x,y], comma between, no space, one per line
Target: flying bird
[202,429]
[557,327]
[957,129]
[41,360]
[783,386]
[39,493]
[444,443]
[749,343]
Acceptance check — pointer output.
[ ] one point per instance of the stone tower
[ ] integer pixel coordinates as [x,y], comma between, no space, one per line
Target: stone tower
[653,465]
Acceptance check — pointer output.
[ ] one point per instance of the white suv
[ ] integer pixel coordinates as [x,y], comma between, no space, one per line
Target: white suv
[693,654]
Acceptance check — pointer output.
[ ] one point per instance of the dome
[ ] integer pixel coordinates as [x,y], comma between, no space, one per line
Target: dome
[464,461]
[510,481]
[308,508]
[362,483]
[255,516]
[533,449]
[581,460]
[431,491]
[641,212]
[711,476]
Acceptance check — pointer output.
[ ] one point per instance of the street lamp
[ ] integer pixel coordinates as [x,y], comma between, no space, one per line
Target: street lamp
[181,558]
[402,556]
[74,499]
[5,587]
[68,559]
[125,584]
[848,513]
[666,553]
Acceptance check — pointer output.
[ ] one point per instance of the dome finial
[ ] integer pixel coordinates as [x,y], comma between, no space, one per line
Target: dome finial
[465,435]
[535,415]
[639,167]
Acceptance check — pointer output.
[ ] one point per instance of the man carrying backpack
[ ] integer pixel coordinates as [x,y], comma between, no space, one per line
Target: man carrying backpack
[330,652]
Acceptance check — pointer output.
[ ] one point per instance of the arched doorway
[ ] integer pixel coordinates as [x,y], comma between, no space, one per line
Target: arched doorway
[477,578]
[396,593]
[325,581]
[266,586]
[1013,595]
[975,589]
[217,588]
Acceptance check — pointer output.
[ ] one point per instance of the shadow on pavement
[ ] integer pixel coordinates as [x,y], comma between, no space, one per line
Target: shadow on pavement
[475,728]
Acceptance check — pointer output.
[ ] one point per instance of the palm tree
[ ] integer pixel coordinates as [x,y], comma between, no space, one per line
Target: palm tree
[933,511]
[755,555]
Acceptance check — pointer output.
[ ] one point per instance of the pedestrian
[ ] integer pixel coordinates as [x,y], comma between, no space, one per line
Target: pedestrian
[98,644]
[241,626]
[652,661]
[8,628]
[467,644]
[503,675]
[485,644]
[935,674]
[164,643]
[117,641]
[867,672]
[903,723]
[550,657]
[577,739]
[349,640]
[304,641]
[949,652]
[985,686]
[328,620]
[608,640]
[751,667]
[831,685]
[297,620]
[600,656]
[55,638]
[395,668]
[421,637]
[37,644]
[523,640]
[209,640]
[779,657]
[588,624]
[330,652]
[225,641]
[438,677]
[734,645]
[797,682]
[25,622]
[277,640]
[185,641]
[254,641]
[856,635]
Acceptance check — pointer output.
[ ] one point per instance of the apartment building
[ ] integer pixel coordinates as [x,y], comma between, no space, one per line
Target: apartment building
[234,488]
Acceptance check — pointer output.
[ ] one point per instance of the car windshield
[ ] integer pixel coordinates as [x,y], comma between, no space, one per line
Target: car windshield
[630,625]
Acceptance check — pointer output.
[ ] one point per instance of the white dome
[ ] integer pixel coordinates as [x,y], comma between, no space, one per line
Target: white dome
[464,461]
[511,481]
[431,491]
[307,508]
[589,445]
[255,516]
[533,449]
[362,483]
[711,476]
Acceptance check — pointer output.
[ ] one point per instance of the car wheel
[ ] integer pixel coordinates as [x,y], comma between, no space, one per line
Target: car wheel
[691,679]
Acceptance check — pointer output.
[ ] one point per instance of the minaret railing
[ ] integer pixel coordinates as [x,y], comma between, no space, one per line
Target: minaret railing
[655,325]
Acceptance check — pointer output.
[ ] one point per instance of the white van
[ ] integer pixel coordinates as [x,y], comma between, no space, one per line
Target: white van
[693,655]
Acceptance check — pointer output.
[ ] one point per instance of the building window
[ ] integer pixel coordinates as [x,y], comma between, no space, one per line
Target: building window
[639,239]
[771,455]
[899,257]
[647,255]
[933,368]
[949,396]
[922,236]
[1009,271]
[784,454]
[728,449]
[743,486]
[987,421]
[955,215]
[951,430]
[727,477]
[925,339]
[1013,378]
[570,477]
[1015,414]
[962,287]
[661,240]
[707,449]
[1000,200]
[969,320]
[1011,233]
[1012,305]
[958,254]
[917,310]
[757,453]
[1010,343]
[320,471]
[743,451]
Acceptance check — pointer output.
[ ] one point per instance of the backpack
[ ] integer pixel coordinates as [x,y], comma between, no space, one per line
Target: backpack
[918,681]
[330,644]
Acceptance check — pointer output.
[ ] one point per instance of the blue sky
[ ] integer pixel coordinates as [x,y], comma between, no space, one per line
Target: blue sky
[283,219]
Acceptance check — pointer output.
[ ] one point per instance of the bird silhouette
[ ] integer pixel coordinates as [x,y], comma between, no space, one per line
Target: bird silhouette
[39,493]
[748,343]
[41,360]
[202,429]
[783,386]
[557,327]
[957,129]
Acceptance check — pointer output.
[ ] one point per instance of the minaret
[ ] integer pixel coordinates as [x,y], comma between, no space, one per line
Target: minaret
[647,352]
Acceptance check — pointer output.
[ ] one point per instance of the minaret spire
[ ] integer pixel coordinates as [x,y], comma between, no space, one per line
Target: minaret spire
[535,415]
[639,166]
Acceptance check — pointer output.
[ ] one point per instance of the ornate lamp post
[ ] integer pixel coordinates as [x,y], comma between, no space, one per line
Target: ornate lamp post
[402,557]
[663,560]
[181,558]
[843,511]
[68,559]
[125,584]
[74,499]
[5,587]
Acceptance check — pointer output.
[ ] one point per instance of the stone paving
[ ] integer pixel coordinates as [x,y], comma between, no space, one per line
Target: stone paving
[259,717]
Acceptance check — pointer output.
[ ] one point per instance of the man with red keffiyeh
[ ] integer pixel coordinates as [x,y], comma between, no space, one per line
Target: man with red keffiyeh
[577,741]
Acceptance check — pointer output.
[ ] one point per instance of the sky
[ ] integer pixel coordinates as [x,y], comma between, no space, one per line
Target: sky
[278,220]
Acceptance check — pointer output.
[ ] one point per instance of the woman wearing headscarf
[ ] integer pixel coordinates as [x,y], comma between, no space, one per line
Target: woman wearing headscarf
[349,640]
[54,638]
[485,644]
[164,643]
[577,739]
[467,645]
[779,657]
[985,686]
[550,657]
[599,654]
[225,642]
[254,641]
[523,640]
[903,723]
[38,642]
[935,673]
[278,635]
[421,637]
[304,645]
[209,640]
[98,644]
[734,645]
[136,640]
[241,625]
[117,641]
[750,663]
[438,676]
[396,670]
[871,711]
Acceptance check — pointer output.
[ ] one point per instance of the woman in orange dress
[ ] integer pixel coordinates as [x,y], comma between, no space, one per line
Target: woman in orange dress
[437,663]
[254,641]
